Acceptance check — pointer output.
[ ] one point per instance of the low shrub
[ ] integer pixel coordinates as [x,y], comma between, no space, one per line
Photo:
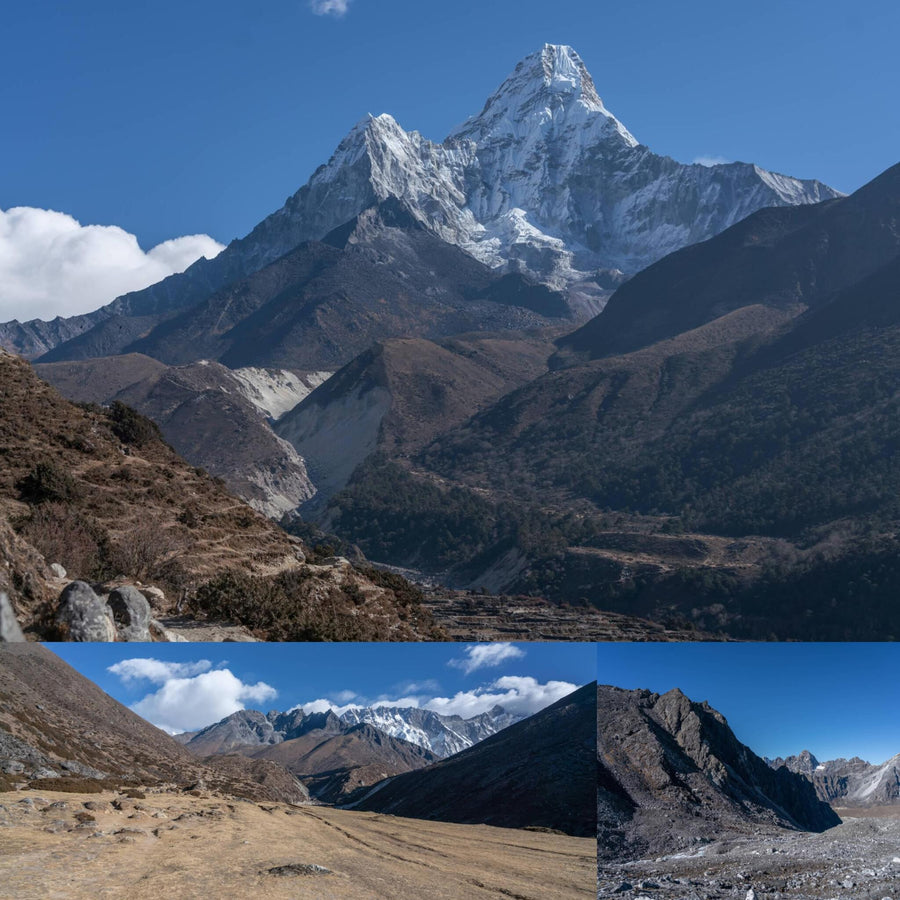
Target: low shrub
[291,606]
[130,427]
[64,535]
[69,785]
[48,483]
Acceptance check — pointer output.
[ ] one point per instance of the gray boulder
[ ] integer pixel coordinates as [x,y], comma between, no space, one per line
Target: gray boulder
[9,625]
[131,613]
[83,615]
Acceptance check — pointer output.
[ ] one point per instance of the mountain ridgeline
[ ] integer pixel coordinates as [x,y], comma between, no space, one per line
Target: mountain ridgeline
[717,444]
[538,772]
[338,756]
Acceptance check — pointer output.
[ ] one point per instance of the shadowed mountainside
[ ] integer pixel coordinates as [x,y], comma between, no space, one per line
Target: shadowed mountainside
[539,772]
[733,472]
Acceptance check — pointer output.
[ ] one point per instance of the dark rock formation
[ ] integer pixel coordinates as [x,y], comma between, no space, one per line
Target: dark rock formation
[848,782]
[672,773]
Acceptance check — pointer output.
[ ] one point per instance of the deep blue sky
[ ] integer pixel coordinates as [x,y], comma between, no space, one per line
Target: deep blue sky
[832,699]
[302,673]
[172,118]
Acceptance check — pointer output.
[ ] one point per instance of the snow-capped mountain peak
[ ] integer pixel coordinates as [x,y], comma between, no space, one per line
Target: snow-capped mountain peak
[550,91]
[544,181]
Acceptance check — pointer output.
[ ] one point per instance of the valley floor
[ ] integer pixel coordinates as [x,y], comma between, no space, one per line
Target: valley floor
[858,860]
[176,845]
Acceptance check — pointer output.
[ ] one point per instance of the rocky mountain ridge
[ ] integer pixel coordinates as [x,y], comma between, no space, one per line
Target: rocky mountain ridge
[852,783]
[441,735]
[672,774]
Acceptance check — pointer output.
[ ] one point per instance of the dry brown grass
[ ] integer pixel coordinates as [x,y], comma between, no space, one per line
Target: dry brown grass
[209,847]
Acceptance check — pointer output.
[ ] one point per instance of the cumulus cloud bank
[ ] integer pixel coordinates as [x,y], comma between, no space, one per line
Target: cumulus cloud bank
[519,694]
[483,656]
[51,264]
[190,697]
[156,670]
[335,8]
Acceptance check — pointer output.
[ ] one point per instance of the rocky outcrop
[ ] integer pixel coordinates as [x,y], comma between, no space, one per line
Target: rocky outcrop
[673,774]
[9,625]
[130,612]
[83,616]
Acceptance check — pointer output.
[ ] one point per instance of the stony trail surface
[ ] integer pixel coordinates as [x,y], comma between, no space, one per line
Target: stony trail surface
[858,860]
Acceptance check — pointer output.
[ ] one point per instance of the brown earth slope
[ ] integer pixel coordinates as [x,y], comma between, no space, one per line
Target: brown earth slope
[333,766]
[99,492]
[203,413]
[54,720]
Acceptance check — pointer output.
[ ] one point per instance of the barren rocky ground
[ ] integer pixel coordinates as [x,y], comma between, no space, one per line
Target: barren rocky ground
[857,860]
[57,845]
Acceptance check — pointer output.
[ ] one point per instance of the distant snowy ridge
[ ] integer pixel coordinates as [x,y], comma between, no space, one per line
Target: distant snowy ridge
[442,735]
[848,782]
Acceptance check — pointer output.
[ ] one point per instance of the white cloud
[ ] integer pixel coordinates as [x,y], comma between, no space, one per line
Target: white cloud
[482,656]
[521,695]
[345,696]
[155,670]
[335,8]
[51,264]
[710,160]
[429,685]
[191,696]
[322,705]
[518,694]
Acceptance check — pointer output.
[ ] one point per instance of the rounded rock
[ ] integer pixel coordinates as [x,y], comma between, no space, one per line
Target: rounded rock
[83,615]
[131,613]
